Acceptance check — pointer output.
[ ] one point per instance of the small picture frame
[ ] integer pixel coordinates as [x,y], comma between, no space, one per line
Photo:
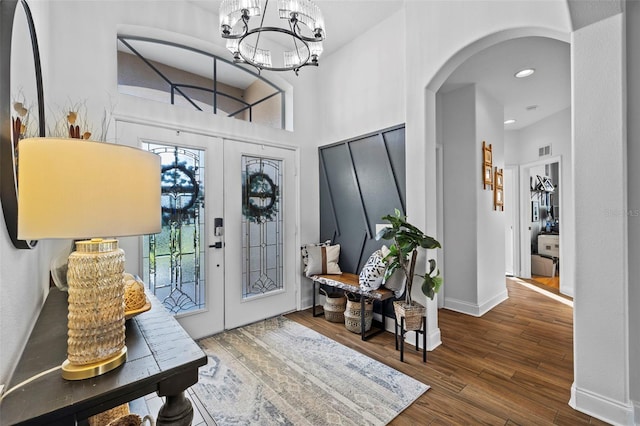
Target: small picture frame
[535,211]
[498,190]
[487,165]
[488,153]
[488,178]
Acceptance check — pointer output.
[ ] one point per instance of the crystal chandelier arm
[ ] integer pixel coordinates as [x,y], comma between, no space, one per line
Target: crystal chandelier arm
[244,42]
[293,25]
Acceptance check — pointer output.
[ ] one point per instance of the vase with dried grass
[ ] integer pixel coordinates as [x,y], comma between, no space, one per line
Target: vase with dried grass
[402,255]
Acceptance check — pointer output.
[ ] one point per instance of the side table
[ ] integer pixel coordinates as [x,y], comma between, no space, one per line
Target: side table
[161,358]
[400,332]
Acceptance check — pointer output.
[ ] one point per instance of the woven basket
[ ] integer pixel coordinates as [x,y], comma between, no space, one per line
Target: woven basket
[334,306]
[412,314]
[352,316]
[119,416]
[108,416]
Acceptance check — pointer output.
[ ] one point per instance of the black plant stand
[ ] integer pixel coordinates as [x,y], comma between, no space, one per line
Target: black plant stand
[400,332]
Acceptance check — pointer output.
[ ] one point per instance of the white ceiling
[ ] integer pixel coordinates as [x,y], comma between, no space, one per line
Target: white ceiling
[549,88]
[491,69]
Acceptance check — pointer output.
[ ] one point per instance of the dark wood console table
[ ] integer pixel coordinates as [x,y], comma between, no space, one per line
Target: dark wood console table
[161,358]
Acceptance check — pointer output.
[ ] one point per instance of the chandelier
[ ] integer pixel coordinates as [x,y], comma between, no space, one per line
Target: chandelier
[275,48]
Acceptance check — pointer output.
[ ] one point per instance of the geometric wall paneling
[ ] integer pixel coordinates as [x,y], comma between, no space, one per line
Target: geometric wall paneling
[361,180]
[394,144]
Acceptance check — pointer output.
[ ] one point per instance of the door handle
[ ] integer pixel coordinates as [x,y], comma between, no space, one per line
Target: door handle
[218,231]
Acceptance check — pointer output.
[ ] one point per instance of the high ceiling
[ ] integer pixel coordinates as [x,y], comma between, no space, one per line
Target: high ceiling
[492,69]
[527,100]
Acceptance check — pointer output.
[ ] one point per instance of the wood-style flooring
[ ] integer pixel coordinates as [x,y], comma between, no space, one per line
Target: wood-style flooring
[512,366]
[553,282]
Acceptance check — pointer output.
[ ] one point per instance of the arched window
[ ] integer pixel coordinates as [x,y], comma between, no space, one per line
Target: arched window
[181,75]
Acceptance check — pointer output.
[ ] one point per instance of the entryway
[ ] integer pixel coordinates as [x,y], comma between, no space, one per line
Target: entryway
[224,256]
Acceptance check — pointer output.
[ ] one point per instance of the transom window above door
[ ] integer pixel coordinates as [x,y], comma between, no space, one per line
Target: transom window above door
[188,77]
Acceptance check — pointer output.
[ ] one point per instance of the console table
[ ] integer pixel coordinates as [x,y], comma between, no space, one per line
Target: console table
[161,357]
[351,283]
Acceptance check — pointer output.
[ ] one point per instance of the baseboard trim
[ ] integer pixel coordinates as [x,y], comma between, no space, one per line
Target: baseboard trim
[476,310]
[602,408]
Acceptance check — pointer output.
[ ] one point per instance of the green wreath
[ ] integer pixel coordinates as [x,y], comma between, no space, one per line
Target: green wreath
[259,186]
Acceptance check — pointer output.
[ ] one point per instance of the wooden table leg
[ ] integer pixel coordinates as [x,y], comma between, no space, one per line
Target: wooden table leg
[176,411]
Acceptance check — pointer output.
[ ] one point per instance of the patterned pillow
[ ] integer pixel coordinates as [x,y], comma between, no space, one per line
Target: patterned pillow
[373,272]
[304,251]
[323,260]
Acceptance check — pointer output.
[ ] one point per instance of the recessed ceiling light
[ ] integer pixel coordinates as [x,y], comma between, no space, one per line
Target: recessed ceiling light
[509,121]
[524,73]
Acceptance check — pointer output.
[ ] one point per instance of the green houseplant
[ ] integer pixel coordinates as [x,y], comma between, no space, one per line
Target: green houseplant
[402,255]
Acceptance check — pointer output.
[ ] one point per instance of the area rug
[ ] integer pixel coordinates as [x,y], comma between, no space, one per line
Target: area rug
[278,372]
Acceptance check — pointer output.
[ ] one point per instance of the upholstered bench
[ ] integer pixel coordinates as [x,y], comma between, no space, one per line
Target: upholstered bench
[350,283]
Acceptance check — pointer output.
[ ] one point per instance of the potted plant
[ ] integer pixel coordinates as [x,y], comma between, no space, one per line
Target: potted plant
[402,255]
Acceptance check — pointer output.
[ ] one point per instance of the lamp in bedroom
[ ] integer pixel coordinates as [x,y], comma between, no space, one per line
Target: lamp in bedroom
[80,190]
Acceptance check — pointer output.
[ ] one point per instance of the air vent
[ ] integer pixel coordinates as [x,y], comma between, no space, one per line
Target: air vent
[544,151]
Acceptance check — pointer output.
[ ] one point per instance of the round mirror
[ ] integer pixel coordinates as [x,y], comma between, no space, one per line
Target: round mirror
[21,102]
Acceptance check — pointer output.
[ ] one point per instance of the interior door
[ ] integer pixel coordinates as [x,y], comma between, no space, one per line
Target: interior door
[260,215]
[510,205]
[182,265]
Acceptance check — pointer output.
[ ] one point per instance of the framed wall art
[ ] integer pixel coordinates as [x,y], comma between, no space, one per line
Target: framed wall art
[487,165]
[498,190]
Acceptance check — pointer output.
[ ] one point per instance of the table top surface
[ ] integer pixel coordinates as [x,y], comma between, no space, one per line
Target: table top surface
[159,350]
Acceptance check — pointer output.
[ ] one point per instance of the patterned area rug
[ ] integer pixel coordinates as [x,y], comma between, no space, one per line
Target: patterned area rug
[278,372]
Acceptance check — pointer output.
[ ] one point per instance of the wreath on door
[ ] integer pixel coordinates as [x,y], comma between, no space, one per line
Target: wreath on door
[260,197]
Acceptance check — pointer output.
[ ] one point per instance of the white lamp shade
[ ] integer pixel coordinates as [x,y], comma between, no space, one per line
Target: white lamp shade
[76,189]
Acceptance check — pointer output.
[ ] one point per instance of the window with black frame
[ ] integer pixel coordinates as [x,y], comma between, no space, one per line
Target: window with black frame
[188,77]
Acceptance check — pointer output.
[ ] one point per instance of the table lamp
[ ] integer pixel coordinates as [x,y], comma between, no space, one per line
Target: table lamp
[77,189]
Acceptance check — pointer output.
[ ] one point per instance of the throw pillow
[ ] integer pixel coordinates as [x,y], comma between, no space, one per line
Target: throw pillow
[304,251]
[323,260]
[373,272]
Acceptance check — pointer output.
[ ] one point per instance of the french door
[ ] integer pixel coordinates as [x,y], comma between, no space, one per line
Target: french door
[225,255]
[180,265]
[260,211]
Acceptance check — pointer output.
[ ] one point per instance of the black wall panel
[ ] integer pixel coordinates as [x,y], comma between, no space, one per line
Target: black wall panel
[361,180]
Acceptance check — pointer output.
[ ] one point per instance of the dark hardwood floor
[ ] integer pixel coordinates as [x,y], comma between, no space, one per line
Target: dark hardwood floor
[512,366]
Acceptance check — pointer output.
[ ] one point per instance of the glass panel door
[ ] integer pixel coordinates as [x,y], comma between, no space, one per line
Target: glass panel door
[174,259]
[183,265]
[260,245]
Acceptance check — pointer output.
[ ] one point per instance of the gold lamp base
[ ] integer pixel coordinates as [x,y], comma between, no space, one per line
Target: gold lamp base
[80,372]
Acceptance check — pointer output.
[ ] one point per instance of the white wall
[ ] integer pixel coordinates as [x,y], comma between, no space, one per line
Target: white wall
[473,229]
[633,180]
[462,187]
[362,85]
[521,147]
[492,287]
[601,318]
